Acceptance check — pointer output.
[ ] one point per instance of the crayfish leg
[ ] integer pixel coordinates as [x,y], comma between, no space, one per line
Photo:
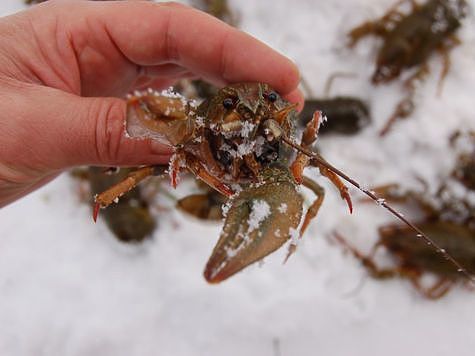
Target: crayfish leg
[337,182]
[444,50]
[298,166]
[379,27]
[403,109]
[440,288]
[107,197]
[201,172]
[309,136]
[436,291]
[177,161]
[367,260]
[406,106]
[311,213]
[363,30]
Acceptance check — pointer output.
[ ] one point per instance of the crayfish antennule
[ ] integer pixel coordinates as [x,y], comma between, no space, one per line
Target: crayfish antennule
[95,212]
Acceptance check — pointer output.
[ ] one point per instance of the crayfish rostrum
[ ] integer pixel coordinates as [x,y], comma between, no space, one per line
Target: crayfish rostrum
[240,142]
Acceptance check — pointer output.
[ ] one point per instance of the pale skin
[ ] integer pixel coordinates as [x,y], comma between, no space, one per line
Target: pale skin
[65,65]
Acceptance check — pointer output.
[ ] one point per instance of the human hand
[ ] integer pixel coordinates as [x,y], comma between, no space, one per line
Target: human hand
[63,65]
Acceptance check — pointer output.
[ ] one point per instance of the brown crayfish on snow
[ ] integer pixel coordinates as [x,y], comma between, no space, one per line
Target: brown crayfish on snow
[448,216]
[409,40]
[239,142]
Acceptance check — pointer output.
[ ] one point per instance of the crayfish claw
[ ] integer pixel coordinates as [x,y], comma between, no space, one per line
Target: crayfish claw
[348,200]
[95,212]
[259,221]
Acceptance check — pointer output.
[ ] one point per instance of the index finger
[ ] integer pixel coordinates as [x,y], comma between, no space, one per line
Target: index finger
[150,34]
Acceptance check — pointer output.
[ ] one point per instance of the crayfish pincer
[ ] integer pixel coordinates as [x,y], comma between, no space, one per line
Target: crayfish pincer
[241,143]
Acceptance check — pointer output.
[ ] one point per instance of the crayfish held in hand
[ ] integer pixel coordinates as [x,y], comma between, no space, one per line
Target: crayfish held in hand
[240,142]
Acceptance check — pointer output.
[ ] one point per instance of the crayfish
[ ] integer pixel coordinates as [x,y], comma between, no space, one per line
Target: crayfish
[448,217]
[240,142]
[346,115]
[409,41]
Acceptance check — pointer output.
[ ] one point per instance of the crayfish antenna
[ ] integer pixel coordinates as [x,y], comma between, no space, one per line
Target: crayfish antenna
[314,156]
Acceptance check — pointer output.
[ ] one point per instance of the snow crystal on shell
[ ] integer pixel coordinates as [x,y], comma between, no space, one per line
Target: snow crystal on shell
[247,128]
[294,236]
[282,208]
[260,211]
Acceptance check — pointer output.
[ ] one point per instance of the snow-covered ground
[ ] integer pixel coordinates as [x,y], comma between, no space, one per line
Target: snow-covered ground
[67,287]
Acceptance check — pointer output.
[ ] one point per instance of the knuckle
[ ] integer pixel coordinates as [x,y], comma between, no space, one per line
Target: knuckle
[109,115]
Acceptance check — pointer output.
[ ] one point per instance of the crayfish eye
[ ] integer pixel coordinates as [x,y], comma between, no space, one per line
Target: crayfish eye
[272,96]
[228,103]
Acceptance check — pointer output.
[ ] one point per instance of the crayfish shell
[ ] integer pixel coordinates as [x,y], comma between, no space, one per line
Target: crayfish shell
[259,221]
[161,116]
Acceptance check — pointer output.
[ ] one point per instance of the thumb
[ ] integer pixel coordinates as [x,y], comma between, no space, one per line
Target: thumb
[58,130]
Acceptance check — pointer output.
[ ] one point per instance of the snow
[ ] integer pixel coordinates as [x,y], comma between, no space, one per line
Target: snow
[246,147]
[199,121]
[67,287]
[282,208]
[294,236]
[247,128]
[380,201]
[440,24]
[260,211]
[323,120]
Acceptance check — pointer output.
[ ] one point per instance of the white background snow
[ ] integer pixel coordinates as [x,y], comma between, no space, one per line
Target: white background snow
[67,287]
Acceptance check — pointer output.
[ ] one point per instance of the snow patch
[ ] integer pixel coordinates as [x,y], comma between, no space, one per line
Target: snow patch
[282,208]
[260,211]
